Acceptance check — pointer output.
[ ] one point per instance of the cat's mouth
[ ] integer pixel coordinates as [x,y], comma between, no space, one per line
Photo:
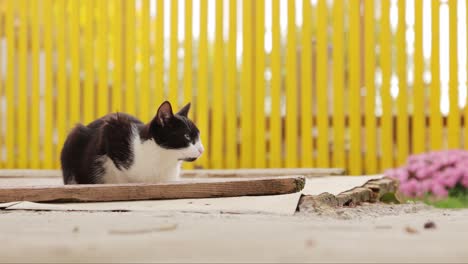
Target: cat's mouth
[189,159]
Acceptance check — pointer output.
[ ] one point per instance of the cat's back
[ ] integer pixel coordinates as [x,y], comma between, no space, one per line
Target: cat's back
[115,118]
[85,144]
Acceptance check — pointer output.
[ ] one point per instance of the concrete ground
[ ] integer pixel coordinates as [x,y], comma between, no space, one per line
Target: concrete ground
[367,233]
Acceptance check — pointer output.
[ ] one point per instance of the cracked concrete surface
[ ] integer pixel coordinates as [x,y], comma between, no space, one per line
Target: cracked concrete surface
[366,233]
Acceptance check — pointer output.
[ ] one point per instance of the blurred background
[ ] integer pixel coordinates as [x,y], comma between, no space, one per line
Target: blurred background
[357,84]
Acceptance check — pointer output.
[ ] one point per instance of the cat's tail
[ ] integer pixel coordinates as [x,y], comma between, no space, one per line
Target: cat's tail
[72,153]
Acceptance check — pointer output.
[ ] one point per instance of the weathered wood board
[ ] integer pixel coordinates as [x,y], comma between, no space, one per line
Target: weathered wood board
[198,173]
[253,173]
[132,192]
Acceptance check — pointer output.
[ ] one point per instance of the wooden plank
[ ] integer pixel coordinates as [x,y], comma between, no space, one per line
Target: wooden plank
[61,84]
[322,85]
[231,86]
[454,114]
[217,103]
[117,57]
[34,144]
[259,89]
[307,172]
[103,59]
[159,54]
[246,91]
[245,173]
[174,64]
[370,63]
[275,147]
[386,65]
[9,92]
[355,154]
[436,115]
[188,63]
[201,116]
[419,101]
[133,192]
[339,156]
[88,56]
[144,41]
[47,140]
[76,63]
[22,155]
[307,159]
[130,39]
[402,99]
[291,89]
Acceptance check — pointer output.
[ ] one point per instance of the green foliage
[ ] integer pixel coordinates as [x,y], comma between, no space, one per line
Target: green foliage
[390,198]
[457,198]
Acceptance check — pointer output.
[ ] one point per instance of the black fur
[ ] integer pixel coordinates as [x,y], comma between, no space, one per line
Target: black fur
[111,135]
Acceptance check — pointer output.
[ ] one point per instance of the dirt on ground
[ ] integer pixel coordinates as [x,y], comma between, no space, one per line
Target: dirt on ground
[364,233]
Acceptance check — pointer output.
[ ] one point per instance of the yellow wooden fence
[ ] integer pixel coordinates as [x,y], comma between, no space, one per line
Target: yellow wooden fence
[273,83]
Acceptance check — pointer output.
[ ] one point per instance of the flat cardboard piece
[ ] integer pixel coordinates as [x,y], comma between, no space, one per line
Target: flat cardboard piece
[275,204]
[336,184]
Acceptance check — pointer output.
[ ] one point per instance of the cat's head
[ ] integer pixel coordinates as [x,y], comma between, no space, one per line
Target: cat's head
[176,132]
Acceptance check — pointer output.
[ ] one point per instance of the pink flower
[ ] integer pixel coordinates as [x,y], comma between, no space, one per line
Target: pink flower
[423,173]
[464,180]
[425,186]
[435,172]
[439,190]
[451,177]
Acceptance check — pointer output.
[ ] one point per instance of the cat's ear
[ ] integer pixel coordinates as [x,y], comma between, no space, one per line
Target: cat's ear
[184,111]
[164,114]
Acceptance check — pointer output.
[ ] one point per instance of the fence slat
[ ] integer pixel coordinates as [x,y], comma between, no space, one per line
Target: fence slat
[291,88]
[202,93]
[246,90]
[48,88]
[453,135]
[102,48]
[217,103]
[306,87]
[355,160]
[144,58]
[174,46]
[22,125]
[117,56]
[3,57]
[75,79]
[9,86]
[338,86]
[419,133]
[259,88]
[466,108]
[276,160]
[402,100]
[231,85]
[370,122]
[188,70]
[387,106]
[34,109]
[159,54]
[322,85]
[130,106]
[62,89]
[89,103]
[436,116]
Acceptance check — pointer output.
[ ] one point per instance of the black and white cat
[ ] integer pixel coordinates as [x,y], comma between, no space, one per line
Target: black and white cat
[119,148]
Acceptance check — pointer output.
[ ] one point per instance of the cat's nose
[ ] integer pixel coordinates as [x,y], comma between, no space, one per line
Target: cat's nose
[200,149]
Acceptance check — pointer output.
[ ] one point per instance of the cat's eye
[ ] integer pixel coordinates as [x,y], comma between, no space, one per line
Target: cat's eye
[187,136]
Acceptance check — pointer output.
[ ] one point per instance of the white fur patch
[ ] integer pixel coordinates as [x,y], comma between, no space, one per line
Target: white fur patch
[151,163]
